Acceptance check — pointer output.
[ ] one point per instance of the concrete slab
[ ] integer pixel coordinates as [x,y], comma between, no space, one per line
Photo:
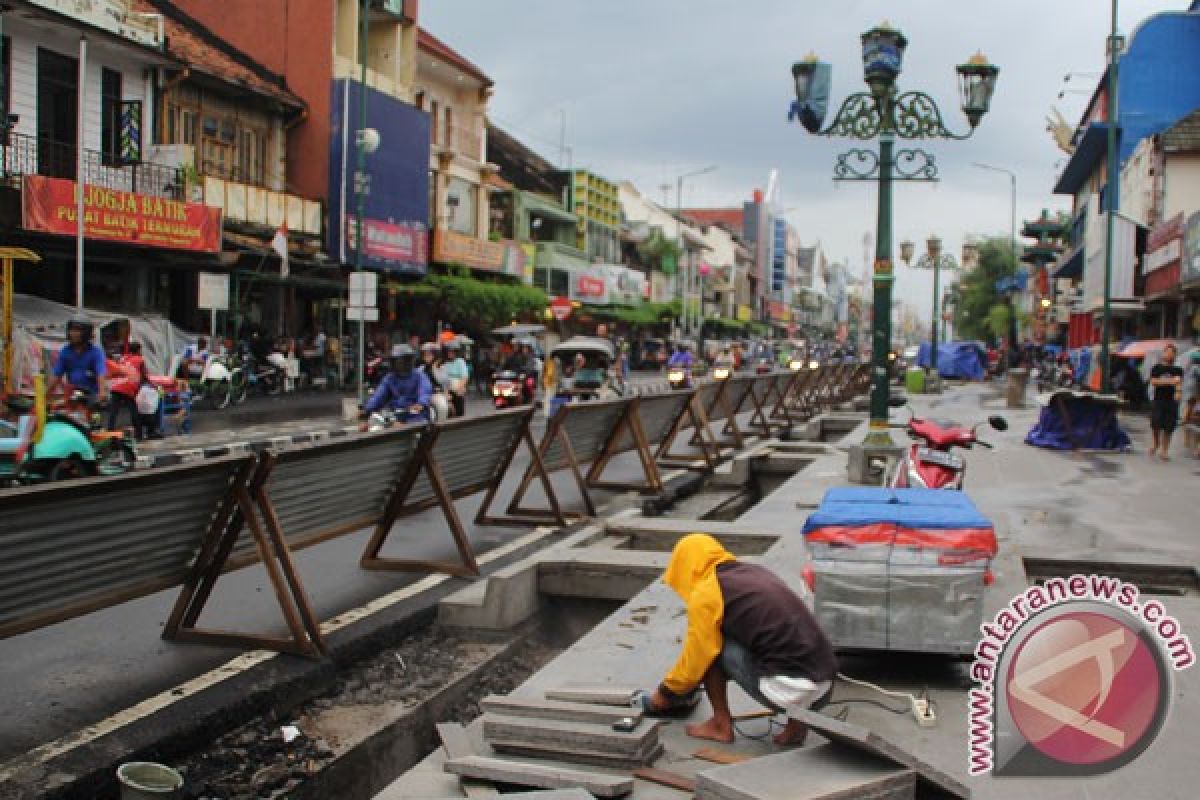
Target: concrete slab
[826,772]
[522,773]
[859,737]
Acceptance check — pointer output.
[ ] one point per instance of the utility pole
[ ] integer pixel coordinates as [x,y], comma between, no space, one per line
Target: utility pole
[1112,202]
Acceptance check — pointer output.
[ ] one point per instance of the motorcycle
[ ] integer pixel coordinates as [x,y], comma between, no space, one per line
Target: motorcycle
[385,418]
[721,373]
[251,375]
[511,388]
[929,462]
[679,377]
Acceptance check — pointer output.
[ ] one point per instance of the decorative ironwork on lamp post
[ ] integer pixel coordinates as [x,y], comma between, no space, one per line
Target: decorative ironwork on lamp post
[886,113]
[937,261]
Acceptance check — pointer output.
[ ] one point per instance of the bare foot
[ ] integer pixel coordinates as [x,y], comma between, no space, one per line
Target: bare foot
[792,735]
[717,730]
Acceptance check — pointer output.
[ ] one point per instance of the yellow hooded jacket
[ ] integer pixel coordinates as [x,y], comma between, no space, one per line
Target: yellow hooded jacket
[692,573]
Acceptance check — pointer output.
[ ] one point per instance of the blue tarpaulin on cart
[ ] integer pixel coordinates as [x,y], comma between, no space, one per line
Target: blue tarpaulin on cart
[1087,424]
[907,508]
[965,360]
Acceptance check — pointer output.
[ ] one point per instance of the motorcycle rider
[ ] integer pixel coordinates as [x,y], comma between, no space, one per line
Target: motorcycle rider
[682,359]
[404,388]
[81,362]
[525,363]
[457,376]
[724,358]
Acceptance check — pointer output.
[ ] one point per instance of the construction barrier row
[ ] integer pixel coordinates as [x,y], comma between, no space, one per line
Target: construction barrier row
[67,549]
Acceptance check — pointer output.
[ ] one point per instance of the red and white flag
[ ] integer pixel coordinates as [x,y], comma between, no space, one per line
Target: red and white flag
[280,245]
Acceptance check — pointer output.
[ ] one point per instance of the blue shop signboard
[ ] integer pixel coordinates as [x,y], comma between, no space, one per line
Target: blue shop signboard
[396,212]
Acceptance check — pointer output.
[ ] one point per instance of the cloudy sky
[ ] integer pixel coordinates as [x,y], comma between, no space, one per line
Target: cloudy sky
[651,89]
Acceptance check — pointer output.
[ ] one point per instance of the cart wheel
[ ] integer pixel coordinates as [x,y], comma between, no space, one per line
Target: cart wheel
[115,457]
[68,468]
[219,394]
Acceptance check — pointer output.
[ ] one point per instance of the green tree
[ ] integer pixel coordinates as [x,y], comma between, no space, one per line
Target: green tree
[976,311]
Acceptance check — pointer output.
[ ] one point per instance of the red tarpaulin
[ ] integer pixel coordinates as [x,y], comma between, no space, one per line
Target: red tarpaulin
[48,204]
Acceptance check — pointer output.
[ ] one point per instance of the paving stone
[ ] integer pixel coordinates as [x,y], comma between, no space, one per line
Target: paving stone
[522,773]
[826,772]
[603,695]
[557,709]
[857,736]
[458,745]
[559,733]
[578,755]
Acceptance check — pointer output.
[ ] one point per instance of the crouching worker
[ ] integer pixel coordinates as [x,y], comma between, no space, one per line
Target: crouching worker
[744,624]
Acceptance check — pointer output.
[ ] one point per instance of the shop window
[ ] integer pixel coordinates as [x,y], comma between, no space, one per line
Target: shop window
[110,117]
[252,157]
[216,158]
[181,125]
[460,206]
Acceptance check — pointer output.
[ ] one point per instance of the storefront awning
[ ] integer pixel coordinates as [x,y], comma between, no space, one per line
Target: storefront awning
[1093,145]
[1071,265]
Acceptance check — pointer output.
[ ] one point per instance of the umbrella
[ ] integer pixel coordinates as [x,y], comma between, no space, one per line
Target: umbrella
[518,330]
[1143,348]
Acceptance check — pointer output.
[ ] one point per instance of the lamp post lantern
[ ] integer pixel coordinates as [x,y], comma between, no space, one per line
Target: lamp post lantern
[936,260]
[886,113]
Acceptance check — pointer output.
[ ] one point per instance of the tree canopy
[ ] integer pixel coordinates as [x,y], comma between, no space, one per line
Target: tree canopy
[980,312]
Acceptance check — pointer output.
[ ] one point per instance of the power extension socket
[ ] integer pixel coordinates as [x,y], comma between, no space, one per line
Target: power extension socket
[922,712]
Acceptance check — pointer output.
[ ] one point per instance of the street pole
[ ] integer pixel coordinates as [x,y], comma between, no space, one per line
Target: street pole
[80,178]
[360,185]
[883,276]
[1012,226]
[1112,204]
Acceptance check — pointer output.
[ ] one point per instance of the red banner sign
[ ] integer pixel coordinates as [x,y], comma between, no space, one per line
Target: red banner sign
[48,204]
[587,286]
[389,241]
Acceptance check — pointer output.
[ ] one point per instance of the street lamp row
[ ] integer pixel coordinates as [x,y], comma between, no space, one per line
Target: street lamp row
[885,113]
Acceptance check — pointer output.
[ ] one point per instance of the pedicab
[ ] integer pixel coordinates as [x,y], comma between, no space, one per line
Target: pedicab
[585,369]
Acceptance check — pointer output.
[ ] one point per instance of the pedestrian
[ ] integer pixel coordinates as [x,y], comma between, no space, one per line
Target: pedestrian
[1191,415]
[130,378]
[744,624]
[1166,380]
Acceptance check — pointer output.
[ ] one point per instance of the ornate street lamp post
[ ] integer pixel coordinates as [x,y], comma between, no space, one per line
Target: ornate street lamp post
[885,113]
[937,261]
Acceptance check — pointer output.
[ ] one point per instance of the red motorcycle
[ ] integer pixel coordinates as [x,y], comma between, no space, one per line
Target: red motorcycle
[930,463]
[511,388]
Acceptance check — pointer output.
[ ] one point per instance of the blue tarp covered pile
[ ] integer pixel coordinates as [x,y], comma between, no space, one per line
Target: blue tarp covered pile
[1078,421]
[929,509]
[965,360]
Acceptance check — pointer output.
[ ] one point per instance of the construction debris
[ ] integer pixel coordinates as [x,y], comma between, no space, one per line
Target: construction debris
[458,745]
[719,756]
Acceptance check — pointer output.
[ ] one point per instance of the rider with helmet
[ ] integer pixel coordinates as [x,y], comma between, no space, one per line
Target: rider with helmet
[682,357]
[404,389]
[81,362]
[457,375]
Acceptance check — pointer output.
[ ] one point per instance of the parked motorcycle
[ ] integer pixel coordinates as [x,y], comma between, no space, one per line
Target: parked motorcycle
[215,384]
[930,463]
[511,389]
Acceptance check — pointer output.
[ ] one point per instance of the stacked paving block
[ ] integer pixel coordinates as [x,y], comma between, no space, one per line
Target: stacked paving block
[573,732]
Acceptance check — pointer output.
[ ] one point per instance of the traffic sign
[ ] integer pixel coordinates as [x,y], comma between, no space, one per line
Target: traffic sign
[560,307]
[362,313]
[363,285]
